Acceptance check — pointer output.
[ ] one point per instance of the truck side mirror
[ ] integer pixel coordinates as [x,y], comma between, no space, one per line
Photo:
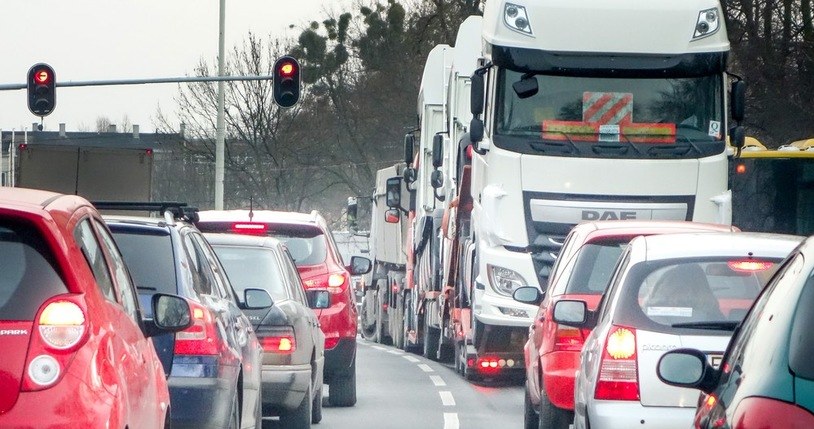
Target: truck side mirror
[738,100]
[437,179]
[437,150]
[353,209]
[526,87]
[393,192]
[737,136]
[476,96]
[475,130]
[392,216]
[409,175]
[409,143]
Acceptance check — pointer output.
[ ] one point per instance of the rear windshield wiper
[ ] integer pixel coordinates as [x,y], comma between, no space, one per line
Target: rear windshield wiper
[721,325]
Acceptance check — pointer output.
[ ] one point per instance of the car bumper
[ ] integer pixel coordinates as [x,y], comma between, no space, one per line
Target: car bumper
[559,373]
[62,407]
[284,386]
[626,415]
[201,402]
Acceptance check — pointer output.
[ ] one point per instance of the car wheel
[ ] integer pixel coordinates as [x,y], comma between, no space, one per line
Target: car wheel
[234,415]
[531,420]
[299,418]
[551,417]
[168,419]
[342,390]
[316,407]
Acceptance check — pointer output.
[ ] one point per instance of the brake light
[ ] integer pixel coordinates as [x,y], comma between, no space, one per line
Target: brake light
[331,342]
[62,325]
[618,369]
[567,338]
[749,266]
[492,364]
[201,338]
[280,341]
[336,282]
[250,228]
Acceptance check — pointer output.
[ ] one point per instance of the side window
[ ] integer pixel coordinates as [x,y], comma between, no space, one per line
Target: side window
[613,285]
[202,279]
[295,283]
[85,238]
[221,282]
[126,289]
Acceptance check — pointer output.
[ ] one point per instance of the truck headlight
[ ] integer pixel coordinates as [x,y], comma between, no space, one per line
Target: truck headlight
[503,280]
[708,23]
[516,18]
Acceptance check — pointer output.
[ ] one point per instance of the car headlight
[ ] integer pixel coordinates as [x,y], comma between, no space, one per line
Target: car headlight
[516,18]
[708,23]
[504,281]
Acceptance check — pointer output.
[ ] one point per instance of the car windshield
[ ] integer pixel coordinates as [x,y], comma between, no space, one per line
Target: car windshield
[27,273]
[637,113]
[265,272]
[702,293]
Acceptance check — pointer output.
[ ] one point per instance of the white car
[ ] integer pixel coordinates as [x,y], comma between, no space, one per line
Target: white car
[667,292]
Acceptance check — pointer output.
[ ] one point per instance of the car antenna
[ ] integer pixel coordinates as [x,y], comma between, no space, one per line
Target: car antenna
[251,208]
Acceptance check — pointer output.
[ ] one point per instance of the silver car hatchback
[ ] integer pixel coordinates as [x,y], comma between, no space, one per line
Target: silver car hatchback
[667,292]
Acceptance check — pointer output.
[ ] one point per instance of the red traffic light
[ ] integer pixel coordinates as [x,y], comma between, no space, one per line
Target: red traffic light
[42,76]
[287,69]
[286,86]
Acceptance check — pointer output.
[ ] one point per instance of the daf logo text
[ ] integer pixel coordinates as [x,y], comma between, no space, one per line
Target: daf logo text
[608,215]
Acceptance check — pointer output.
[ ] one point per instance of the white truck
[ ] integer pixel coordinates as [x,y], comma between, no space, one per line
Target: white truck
[579,112]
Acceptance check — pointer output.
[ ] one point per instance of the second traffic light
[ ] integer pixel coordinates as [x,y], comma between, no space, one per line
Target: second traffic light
[286,81]
[42,92]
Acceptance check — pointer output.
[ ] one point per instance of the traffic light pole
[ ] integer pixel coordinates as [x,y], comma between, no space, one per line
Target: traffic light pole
[220,139]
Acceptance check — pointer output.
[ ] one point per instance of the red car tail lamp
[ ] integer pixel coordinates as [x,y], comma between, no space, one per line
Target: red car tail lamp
[336,282]
[251,228]
[200,339]
[618,370]
[331,342]
[567,338]
[749,266]
[280,340]
[63,328]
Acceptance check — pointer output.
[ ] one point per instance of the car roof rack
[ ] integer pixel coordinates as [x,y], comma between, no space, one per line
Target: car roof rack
[169,209]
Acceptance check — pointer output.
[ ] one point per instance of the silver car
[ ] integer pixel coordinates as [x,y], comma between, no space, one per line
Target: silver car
[667,292]
[289,333]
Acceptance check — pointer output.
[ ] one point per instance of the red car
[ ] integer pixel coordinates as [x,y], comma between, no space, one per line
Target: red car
[75,352]
[312,246]
[581,272]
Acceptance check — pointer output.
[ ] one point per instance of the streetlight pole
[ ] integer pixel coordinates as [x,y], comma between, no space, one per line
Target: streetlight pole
[220,146]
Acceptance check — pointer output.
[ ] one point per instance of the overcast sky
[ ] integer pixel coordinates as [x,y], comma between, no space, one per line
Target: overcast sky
[126,39]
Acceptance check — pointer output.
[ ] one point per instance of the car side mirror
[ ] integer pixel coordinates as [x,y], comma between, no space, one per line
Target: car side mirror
[393,192]
[318,299]
[528,295]
[256,299]
[572,313]
[359,265]
[171,313]
[687,368]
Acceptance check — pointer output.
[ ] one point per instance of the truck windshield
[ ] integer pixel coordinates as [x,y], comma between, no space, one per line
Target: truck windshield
[630,117]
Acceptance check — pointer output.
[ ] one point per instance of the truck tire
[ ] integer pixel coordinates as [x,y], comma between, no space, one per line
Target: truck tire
[368,330]
[381,338]
[300,417]
[551,417]
[432,338]
[342,390]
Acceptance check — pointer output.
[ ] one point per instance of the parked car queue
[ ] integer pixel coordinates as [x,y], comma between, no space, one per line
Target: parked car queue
[133,321]
[599,353]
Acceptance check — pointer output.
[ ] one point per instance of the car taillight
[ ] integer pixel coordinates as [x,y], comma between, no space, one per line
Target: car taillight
[61,325]
[250,228]
[336,282]
[749,266]
[331,342]
[279,340]
[63,328]
[201,338]
[567,338]
[618,370]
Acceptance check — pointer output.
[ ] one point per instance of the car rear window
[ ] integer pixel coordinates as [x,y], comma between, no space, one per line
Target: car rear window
[150,258]
[27,271]
[593,267]
[265,272]
[306,242]
[694,291]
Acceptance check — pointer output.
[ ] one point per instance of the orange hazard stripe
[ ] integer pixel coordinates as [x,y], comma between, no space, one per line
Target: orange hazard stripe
[585,131]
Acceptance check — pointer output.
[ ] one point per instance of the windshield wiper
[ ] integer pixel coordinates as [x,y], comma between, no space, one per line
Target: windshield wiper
[536,145]
[721,325]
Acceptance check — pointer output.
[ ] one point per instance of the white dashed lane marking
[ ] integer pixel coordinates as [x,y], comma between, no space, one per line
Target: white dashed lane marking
[395,352]
[426,368]
[438,381]
[446,398]
[411,359]
[451,421]
[380,348]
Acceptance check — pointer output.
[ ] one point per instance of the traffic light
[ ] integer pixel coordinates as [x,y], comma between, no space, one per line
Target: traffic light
[42,93]
[286,81]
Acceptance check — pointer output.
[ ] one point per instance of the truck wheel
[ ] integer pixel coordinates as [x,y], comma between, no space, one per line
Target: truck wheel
[299,418]
[531,420]
[446,353]
[552,417]
[381,338]
[342,390]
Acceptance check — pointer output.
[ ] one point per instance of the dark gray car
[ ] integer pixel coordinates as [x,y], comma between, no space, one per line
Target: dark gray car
[293,344]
